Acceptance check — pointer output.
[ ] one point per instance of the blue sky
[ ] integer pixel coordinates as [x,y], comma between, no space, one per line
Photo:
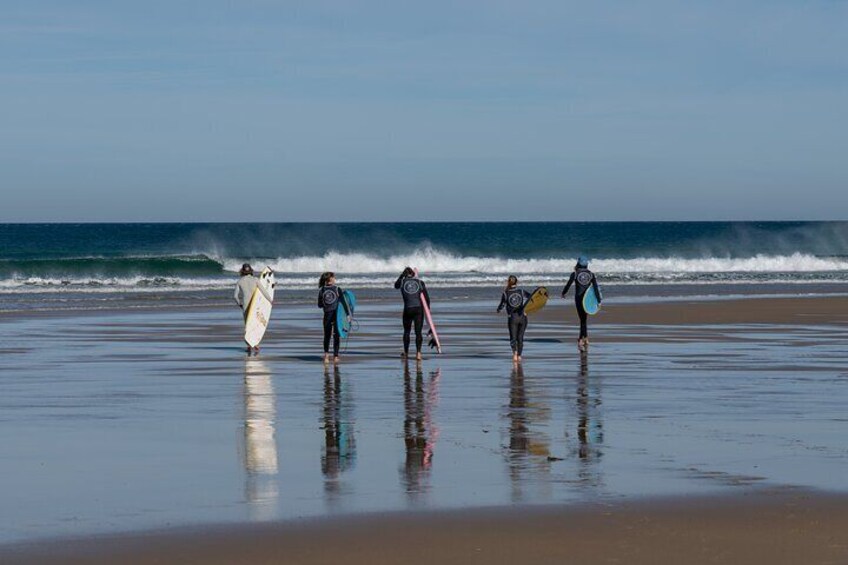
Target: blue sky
[262,110]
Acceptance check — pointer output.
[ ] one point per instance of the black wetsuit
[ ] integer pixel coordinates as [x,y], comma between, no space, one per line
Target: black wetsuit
[413,291]
[514,300]
[582,278]
[328,299]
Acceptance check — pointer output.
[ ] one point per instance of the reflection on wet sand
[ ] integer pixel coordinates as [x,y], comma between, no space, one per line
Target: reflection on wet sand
[590,434]
[529,448]
[419,430]
[260,447]
[339,452]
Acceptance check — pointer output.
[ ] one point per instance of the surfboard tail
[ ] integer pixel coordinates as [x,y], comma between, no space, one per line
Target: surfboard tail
[434,336]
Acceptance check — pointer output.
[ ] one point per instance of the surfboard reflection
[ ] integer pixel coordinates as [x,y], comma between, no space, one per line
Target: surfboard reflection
[529,447]
[419,430]
[590,433]
[260,447]
[339,451]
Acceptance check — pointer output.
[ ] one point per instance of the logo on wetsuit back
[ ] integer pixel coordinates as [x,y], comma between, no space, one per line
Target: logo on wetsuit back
[411,287]
[584,278]
[330,296]
[515,299]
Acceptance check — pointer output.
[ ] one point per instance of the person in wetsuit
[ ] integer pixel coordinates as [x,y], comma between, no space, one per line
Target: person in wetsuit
[514,299]
[414,291]
[244,291]
[582,278]
[329,296]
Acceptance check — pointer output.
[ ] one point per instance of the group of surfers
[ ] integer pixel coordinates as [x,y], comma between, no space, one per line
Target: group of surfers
[414,293]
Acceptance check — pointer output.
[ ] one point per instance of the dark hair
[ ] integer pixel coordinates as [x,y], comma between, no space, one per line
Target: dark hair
[325,277]
[511,281]
[409,272]
[246,269]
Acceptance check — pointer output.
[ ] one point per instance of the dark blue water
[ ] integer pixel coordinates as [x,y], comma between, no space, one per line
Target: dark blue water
[173,256]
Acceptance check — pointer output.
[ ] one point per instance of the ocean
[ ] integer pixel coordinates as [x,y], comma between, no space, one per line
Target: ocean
[636,258]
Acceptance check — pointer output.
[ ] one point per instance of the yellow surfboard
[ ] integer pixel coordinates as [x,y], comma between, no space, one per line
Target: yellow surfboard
[537,301]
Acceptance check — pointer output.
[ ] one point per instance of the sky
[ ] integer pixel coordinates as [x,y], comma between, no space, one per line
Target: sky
[399,111]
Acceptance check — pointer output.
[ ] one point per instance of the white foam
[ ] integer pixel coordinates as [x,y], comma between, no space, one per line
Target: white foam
[430,261]
[360,270]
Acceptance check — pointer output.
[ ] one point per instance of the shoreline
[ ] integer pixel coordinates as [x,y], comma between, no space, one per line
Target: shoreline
[771,525]
[735,310]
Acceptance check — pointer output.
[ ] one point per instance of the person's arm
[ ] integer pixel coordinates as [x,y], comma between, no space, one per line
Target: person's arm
[237,296]
[321,298]
[503,302]
[527,296]
[425,294]
[568,285]
[400,280]
[343,300]
[597,290]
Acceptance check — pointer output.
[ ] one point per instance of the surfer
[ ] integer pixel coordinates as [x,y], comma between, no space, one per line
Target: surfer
[582,278]
[514,299]
[244,291]
[329,296]
[414,291]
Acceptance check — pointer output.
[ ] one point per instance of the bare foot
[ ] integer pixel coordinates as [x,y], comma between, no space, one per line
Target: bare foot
[256,349]
[336,360]
[326,358]
[404,355]
[418,356]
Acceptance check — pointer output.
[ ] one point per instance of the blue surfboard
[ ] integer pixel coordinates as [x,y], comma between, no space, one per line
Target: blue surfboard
[591,301]
[341,315]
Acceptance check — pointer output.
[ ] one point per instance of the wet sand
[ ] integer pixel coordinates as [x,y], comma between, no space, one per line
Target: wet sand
[139,421]
[768,527]
[831,310]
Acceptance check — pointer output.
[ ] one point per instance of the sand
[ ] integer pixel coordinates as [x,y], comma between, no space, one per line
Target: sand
[768,527]
[754,310]
[155,416]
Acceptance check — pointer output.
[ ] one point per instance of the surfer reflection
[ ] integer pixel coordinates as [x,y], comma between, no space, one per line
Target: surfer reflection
[419,430]
[590,434]
[529,450]
[339,453]
[260,447]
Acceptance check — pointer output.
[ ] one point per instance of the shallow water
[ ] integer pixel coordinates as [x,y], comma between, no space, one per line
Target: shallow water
[144,420]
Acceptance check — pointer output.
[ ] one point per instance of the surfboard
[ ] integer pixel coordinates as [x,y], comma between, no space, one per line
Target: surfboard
[429,317]
[591,302]
[259,308]
[341,316]
[537,301]
[431,325]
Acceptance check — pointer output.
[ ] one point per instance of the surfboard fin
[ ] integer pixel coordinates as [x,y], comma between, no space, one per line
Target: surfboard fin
[432,343]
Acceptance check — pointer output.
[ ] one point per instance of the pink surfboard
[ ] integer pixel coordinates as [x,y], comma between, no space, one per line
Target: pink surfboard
[430,323]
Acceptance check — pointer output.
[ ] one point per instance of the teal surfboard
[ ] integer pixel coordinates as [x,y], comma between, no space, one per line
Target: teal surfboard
[591,301]
[341,315]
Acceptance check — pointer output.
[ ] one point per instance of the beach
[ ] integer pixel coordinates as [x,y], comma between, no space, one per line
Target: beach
[148,434]
[776,527]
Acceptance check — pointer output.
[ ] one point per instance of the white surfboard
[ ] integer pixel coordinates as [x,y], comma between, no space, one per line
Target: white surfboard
[259,308]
